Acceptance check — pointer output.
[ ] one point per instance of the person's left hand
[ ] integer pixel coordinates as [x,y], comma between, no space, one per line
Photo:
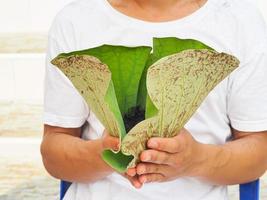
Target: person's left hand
[169,158]
[133,180]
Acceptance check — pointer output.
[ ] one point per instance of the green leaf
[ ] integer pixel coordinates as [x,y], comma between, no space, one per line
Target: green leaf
[108,78]
[92,79]
[164,47]
[126,65]
[177,85]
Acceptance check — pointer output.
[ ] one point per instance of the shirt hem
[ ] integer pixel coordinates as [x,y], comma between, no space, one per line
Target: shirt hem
[251,126]
[62,121]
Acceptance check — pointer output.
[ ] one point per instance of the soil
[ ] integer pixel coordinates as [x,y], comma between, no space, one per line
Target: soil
[135,116]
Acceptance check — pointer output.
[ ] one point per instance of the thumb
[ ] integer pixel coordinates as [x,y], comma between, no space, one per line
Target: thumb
[110,142]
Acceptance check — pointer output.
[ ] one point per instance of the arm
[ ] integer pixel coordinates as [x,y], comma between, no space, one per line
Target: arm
[238,161]
[67,157]
[242,160]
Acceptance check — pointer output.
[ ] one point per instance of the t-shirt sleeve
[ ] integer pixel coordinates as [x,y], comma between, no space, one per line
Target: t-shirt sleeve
[63,105]
[247,100]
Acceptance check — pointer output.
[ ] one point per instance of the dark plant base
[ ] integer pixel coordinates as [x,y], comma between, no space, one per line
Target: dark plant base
[135,116]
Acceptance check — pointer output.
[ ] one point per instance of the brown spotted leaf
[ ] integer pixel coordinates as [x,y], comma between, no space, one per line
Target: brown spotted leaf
[92,79]
[135,141]
[177,85]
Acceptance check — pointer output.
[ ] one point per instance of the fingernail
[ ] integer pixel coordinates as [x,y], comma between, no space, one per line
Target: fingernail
[131,172]
[152,144]
[116,148]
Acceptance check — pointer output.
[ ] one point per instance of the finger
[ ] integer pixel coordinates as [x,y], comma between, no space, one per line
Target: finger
[110,142]
[131,172]
[134,181]
[156,157]
[170,145]
[148,178]
[149,168]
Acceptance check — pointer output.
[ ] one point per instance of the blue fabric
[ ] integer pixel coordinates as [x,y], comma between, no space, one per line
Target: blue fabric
[248,191]
[64,186]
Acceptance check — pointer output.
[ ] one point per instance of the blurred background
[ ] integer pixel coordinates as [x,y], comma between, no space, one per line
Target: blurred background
[23,38]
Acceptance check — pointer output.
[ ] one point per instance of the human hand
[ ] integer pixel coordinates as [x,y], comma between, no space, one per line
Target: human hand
[169,158]
[133,180]
[104,143]
[109,142]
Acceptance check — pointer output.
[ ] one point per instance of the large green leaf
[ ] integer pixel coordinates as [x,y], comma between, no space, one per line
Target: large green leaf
[126,65]
[164,47]
[108,78]
[84,72]
[177,85]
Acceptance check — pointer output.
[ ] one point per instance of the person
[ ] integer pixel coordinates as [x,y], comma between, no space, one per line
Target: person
[224,143]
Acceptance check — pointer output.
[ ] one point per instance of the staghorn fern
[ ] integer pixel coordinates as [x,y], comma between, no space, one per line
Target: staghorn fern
[115,80]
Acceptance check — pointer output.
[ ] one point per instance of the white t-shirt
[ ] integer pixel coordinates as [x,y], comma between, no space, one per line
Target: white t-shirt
[240,101]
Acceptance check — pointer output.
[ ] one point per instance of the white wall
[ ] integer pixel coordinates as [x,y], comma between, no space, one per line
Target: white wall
[262,4]
[28,15]
[21,77]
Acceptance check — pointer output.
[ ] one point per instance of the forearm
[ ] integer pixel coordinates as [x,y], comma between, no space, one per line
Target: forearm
[73,159]
[238,161]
